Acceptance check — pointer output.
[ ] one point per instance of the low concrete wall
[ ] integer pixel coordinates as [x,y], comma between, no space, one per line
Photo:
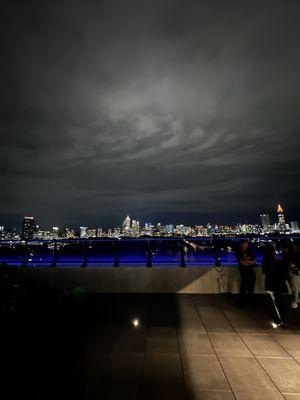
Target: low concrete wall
[141,279]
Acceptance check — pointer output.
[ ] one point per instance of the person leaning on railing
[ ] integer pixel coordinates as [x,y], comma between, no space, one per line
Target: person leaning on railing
[246,262]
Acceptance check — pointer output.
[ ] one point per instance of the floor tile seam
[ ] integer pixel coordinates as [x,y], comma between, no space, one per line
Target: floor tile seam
[275,357]
[221,366]
[220,354]
[142,383]
[181,366]
[291,393]
[240,335]
[255,333]
[180,335]
[222,333]
[246,344]
[249,317]
[212,390]
[227,319]
[186,354]
[286,350]
[162,352]
[272,380]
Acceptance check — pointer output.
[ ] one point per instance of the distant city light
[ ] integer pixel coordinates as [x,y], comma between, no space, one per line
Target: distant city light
[132,228]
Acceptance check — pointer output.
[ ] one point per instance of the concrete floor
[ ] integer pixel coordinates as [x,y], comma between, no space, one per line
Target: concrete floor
[185,347]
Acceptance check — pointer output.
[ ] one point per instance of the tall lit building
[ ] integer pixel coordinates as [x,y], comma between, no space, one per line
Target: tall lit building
[116,232]
[28,228]
[91,233]
[99,232]
[294,227]
[265,221]
[135,227]
[281,219]
[169,229]
[83,232]
[126,224]
[55,232]
[70,233]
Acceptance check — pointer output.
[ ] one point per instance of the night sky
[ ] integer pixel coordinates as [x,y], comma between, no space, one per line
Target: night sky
[183,111]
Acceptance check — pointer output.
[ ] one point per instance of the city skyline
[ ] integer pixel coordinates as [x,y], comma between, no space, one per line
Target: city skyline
[162,218]
[187,218]
[130,227]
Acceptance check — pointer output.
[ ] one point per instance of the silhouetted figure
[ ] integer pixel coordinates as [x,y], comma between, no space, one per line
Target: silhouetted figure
[276,275]
[294,273]
[295,276]
[246,266]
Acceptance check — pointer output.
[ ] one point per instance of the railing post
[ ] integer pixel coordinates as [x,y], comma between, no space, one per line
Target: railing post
[182,254]
[149,255]
[117,257]
[217,255]
[84,254]
[24,255]
[54,257]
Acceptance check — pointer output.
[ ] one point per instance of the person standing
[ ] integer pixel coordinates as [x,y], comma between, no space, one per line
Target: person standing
[290,259]
[294,275]
[276,275]
[246,262]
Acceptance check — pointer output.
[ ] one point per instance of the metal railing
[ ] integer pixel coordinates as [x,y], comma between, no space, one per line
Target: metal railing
[183,252]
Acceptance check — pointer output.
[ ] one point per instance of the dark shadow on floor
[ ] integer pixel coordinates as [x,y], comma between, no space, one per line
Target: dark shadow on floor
[90,348]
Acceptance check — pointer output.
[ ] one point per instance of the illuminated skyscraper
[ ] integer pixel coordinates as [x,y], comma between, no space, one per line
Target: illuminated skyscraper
[265,221]
[99,232]
[70,233]
[91,233]
[294,226]
[28,228]
[83,232]
[169,229]
[135,227]
[281,219]
[55,232]
[126,223]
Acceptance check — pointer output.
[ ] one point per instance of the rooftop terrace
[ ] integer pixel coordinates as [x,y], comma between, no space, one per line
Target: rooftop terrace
[148,346]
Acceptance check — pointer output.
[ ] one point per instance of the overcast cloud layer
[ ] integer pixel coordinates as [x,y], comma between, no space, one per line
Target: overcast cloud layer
[183,110]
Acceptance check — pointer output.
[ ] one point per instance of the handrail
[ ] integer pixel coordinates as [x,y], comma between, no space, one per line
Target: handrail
[183,252]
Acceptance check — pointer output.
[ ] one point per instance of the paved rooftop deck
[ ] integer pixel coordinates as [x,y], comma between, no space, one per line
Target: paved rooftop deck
[185,347]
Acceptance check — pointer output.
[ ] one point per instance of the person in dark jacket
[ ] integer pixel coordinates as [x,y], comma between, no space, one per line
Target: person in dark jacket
[276,275]
[291,260]
[246,262]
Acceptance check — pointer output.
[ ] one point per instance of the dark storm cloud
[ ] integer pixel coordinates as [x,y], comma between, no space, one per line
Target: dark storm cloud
[151,107]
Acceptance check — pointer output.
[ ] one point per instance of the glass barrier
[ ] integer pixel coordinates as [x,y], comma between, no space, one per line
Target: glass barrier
[69,252]
[199,251]
[101,252]
[165,251]
[131,251]
[39,252]
[12,252]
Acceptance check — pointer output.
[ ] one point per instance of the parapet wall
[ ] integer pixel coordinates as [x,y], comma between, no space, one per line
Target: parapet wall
[141,279]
